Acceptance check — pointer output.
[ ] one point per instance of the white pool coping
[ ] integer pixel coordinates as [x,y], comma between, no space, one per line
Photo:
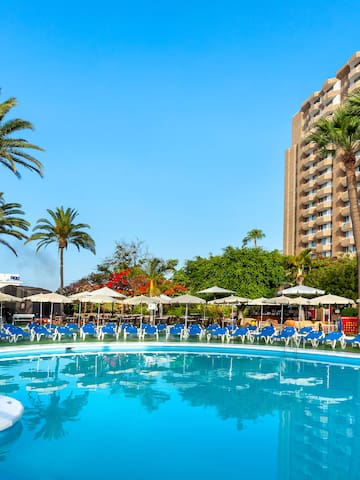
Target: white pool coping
[329,356]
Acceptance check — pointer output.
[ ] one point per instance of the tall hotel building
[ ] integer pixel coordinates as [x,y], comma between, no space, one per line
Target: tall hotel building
[316,210]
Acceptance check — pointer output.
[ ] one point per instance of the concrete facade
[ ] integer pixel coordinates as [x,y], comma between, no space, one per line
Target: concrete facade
[316,203]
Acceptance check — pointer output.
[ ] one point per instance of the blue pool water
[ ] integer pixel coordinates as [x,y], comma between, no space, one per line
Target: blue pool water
[181,416]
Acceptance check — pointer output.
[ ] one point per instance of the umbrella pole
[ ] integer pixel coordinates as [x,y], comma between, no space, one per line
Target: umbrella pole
[1,316]
[51,311]
[40,313]
[186,315]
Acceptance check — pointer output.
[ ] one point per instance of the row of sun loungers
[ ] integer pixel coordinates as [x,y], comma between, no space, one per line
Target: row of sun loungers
[269,335]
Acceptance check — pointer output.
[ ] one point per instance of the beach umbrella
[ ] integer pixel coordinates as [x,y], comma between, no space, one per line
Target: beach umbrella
[97,299]
[51,297]
[5,298]
[108,292]
[230,300]
[261,301]
[332,300]
[187,300]
[301,290]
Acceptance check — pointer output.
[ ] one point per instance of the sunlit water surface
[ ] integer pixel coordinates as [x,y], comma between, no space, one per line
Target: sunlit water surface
[181,416]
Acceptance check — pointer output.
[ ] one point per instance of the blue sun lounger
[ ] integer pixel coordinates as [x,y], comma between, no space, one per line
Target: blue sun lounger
[313,337]
[241,332]
[332,338]
[285,335]
[194,331]
[217,333]
[88,329]
[265,334]
[150,330]
[64,331]
[354,342]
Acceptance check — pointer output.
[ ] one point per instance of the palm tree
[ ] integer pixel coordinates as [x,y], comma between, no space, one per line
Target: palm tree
[62,230]
[254,235]
[300,265]
[10,223]
[157,268]
[339,137]
[13,151]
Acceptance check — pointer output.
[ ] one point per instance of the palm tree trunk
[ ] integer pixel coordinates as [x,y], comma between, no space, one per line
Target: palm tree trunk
[61,252]
[354,209]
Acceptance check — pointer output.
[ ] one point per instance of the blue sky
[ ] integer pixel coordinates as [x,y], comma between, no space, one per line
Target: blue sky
[162,121]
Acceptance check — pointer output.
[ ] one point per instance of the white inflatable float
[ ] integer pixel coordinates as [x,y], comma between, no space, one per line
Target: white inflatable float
[11,411]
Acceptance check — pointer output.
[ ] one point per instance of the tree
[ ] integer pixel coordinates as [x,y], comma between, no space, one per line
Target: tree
[62,230]
[250,272]
[13,151]
[10,223]
[156,269]
[253,235]
[299,265]
[339,137]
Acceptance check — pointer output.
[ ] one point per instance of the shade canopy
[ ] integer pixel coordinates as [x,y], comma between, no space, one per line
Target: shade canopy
[260,301]
[282,300]
[231,300]
[100,299]
[188,300]
[301,290]
[138,300]
[51,297]
[4,297]
[332,300]
[107,292]
[215,289]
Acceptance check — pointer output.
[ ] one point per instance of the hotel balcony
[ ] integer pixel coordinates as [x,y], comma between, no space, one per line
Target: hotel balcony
[323,248]
[354,74]
[323,234]
[309,185]
[308,211]
[324,177]
[344,196]
[307,159]
[306,173]
[323,219]
[307,147]
[324,205]
[330,94]
[346,227]
[325,162]
[321,192]
[346,242]
[345,211]
[330,108]
[306,225]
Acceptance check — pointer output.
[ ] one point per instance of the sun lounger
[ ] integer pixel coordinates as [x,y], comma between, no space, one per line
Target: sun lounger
[354,341]
[313,337]
[150,330]
[88,329]
[332,338]
[64,331]
[17,333]
[131,331]
[175,331]
[240,332]
[40,331]
[108,330]
[194,330]
[285,335]
[265,334]
[217,333]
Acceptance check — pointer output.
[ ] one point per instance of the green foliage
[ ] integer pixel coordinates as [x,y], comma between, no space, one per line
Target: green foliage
[14,151]
[249,272]
[337,276]
[253,235]
[11,224]
[349,312]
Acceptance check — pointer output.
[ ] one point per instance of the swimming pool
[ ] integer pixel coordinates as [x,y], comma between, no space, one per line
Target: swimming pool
[175,414]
